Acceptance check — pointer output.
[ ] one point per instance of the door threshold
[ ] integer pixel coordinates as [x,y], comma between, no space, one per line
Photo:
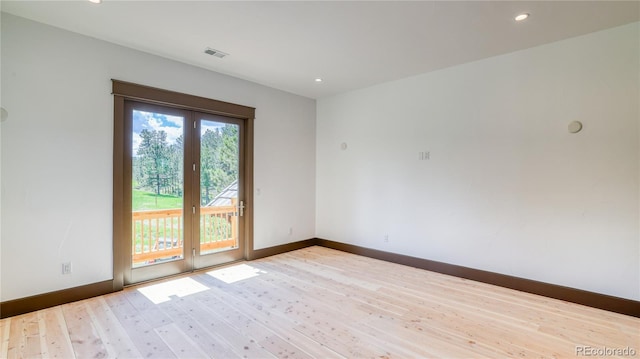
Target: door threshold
[182,275]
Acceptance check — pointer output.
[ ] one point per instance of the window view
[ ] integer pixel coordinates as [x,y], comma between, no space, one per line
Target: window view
[157,187]
[219,156]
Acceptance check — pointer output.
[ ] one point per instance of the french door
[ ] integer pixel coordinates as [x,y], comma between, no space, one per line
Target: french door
[183,190]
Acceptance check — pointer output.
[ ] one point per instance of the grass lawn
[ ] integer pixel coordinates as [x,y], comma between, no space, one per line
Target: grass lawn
[146,201]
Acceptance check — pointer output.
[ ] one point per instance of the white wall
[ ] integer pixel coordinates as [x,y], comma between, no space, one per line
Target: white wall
[507,188]
[1,191]
[57,152]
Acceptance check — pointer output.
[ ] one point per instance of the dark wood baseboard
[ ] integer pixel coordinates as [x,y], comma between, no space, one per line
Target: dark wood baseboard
[271,251]
[596,300]
[47,300]
[51,299]
[591,299]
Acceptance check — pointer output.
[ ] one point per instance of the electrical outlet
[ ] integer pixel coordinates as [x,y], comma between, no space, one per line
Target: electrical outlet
[290,231]
[66,268]
[423,156]
[386,238]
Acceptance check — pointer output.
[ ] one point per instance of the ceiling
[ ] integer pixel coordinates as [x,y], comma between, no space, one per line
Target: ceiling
[349,44]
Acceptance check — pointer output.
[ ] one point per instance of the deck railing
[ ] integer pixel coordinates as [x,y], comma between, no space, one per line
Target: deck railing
[159,234]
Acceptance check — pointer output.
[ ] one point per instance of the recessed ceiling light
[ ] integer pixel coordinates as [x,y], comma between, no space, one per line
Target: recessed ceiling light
[318,79]
[95,1]
[522,17]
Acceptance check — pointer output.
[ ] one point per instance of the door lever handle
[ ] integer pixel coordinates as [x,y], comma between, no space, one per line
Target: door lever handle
[241,208]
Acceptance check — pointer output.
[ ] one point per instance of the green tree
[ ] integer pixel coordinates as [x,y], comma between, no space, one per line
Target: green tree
[176,165]
[219,161]
[229,153]
[154,160]
[209,158]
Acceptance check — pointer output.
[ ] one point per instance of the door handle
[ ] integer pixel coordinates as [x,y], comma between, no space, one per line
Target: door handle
[241,208]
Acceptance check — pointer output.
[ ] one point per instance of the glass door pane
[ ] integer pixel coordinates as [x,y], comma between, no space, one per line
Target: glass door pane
[186,183]
[157,188]
[219,175]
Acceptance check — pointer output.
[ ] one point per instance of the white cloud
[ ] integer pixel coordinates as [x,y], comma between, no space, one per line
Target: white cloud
[154,123]
[136,143]
[151,123]
[176,120]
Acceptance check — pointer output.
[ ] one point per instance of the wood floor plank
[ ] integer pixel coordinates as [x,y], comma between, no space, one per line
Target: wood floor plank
[315,311]
[114,336]
[180,344]
[495,308]
[229,299]
[17,340]
[209,342]
[252,329]
[507,339]
[57,335]
[32,332]
[318,303]
[85,339]
[5,330]
[146,308]
[393,273]
[42,333]
[146,340]
[244,345]
[24,339]
[377,322]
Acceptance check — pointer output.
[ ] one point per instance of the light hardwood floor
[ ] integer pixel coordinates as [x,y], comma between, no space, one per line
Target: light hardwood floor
[316,303]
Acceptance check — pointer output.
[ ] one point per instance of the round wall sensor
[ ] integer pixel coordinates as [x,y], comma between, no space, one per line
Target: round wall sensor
[575,127]
[3,114]
[343,146]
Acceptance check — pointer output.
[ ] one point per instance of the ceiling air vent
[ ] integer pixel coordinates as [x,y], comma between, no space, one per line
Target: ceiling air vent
[214,52]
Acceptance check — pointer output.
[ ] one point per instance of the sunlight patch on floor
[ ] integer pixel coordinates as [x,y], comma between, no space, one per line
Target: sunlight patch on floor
[235,273]
[162,292]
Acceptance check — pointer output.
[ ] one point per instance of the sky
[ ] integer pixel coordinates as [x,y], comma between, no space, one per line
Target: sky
[172,125]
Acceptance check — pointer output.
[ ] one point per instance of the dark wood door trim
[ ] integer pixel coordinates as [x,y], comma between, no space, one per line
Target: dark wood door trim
[123,91]
[176,99]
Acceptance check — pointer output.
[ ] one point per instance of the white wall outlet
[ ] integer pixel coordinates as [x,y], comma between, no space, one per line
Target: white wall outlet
[66,268]
[290,231]
[386,238]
